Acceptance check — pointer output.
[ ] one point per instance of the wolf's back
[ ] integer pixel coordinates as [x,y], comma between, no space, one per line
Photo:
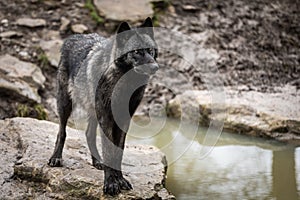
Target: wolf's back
[75,50]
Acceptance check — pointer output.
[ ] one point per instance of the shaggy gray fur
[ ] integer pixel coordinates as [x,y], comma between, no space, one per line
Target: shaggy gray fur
[107,78]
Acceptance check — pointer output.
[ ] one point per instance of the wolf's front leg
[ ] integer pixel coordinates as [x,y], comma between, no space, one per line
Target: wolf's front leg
[112,146]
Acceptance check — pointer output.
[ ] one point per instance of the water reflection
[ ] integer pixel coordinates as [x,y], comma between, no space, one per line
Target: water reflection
[284,174]
[239,167]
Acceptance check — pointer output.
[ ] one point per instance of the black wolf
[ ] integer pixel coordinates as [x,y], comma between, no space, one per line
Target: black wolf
[107,78]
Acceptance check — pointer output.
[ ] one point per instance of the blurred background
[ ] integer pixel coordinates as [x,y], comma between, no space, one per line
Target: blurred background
[255,47]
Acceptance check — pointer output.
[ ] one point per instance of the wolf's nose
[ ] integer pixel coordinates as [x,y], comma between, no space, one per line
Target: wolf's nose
[153,67]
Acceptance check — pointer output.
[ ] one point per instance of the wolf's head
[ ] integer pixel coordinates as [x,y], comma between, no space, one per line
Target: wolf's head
[136,48]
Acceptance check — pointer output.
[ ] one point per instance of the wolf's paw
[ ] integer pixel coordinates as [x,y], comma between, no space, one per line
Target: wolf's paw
[124,184]
[55,162]
[114,184]
[98,164]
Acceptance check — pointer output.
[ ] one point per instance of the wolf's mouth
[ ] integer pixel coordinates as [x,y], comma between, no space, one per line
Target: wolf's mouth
[141,71]
[146,69]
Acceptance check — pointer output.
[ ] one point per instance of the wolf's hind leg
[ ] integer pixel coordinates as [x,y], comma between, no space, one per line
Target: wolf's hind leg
[91,140]
[64,107]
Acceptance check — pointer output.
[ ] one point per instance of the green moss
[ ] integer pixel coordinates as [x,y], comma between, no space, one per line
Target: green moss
[155,20]
[78,189]
[159,8]
[93,12]
[22,110]
[161,5]
[43,59]
[37,111]
[40,111]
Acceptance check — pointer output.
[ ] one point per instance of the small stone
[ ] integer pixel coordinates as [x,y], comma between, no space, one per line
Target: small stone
[17,48]
[50,34]
[80,5]
[252,22]
[4,22]
[164,194]
[65,22]
[171,9]
[10,34]
[51,4]
[79,28]
[190,8]
[52,50]
[24,54]
[35,39]
[32,23]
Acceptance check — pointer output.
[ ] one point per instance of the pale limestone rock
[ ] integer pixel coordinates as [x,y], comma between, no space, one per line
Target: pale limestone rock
[271,115]
[15,68]
[10,34]
[65,22]
[26,145]
[126,10]
[190,7]
[19,79]
[32,23]
[79,28]
[52,50]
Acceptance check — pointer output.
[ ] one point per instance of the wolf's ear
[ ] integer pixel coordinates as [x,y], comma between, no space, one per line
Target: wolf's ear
[123,34]
[149,25]
[124,26]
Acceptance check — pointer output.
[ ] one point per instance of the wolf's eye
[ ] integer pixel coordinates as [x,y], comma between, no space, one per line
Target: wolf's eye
[136,52]
[151,51]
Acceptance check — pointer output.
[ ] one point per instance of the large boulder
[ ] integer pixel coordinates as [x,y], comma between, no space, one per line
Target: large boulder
[126,10]
[26,145]
[272,115]
[20,79]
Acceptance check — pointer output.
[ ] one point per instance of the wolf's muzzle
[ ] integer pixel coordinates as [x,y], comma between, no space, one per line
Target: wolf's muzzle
[147,69]
[153,67]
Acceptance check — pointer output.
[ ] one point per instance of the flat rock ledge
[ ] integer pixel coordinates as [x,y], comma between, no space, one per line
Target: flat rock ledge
[270,115]
[26,145]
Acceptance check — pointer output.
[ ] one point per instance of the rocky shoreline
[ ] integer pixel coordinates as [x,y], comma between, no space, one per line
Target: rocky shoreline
[26,145]
[253,46]
[268,115]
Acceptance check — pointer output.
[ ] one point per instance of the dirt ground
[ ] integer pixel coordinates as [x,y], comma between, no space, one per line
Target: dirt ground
[258,41]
